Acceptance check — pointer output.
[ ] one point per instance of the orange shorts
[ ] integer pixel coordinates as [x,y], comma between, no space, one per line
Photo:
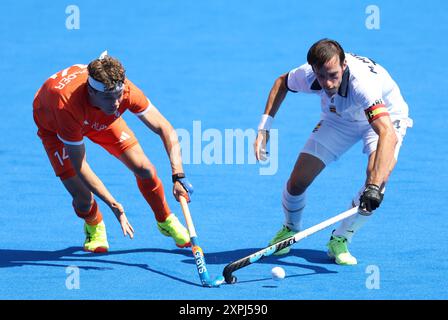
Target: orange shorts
[116,139]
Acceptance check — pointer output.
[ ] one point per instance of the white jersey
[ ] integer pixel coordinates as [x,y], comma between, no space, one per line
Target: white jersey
[367,92]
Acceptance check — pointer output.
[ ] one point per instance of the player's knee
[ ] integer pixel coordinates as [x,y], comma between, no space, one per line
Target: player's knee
[144,170]
[149,185]
[297,186]
[82,203]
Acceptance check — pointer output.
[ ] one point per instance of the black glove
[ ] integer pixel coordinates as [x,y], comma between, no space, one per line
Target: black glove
[371,198]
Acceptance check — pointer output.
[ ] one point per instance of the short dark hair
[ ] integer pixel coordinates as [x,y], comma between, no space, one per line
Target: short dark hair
[323,51]
[107,70]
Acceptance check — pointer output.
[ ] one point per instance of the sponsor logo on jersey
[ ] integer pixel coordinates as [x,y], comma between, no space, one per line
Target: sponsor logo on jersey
[98,127]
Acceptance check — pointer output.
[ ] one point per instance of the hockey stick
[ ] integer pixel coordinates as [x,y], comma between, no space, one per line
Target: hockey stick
[197,250]
[243,262]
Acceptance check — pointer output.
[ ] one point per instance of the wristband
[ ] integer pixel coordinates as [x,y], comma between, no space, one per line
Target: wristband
[372,186]
[265,122]
[178,176]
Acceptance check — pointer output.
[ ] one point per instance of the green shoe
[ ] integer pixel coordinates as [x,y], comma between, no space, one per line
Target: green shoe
[171,227]
[284,233]
[96,238]
[337,249]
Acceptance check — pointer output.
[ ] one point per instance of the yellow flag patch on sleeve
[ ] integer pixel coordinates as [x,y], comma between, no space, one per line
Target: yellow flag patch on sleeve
[376,110]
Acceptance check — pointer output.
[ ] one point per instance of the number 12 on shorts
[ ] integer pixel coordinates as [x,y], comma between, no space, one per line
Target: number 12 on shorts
[64,156]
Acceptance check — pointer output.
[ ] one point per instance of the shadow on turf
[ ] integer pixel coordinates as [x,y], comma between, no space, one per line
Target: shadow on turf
[74,255]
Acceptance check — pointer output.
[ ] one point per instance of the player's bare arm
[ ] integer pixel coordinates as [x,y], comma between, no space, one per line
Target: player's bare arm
[276,96]
[384,157]
[383,163]
[77,156]
[154,120]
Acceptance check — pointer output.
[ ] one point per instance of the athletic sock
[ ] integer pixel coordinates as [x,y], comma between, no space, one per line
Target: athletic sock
[153,192]
[351,225]
[292,208]
[91,217]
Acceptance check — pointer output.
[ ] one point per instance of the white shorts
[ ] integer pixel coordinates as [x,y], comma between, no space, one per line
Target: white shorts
[331,138]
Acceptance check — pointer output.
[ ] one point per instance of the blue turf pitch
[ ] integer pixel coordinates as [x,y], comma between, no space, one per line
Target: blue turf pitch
[214,62]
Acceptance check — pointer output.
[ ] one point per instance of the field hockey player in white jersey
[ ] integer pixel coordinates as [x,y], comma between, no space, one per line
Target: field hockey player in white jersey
[360,101]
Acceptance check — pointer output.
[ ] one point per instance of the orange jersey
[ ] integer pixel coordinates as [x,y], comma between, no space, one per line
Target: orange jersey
[61,106]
